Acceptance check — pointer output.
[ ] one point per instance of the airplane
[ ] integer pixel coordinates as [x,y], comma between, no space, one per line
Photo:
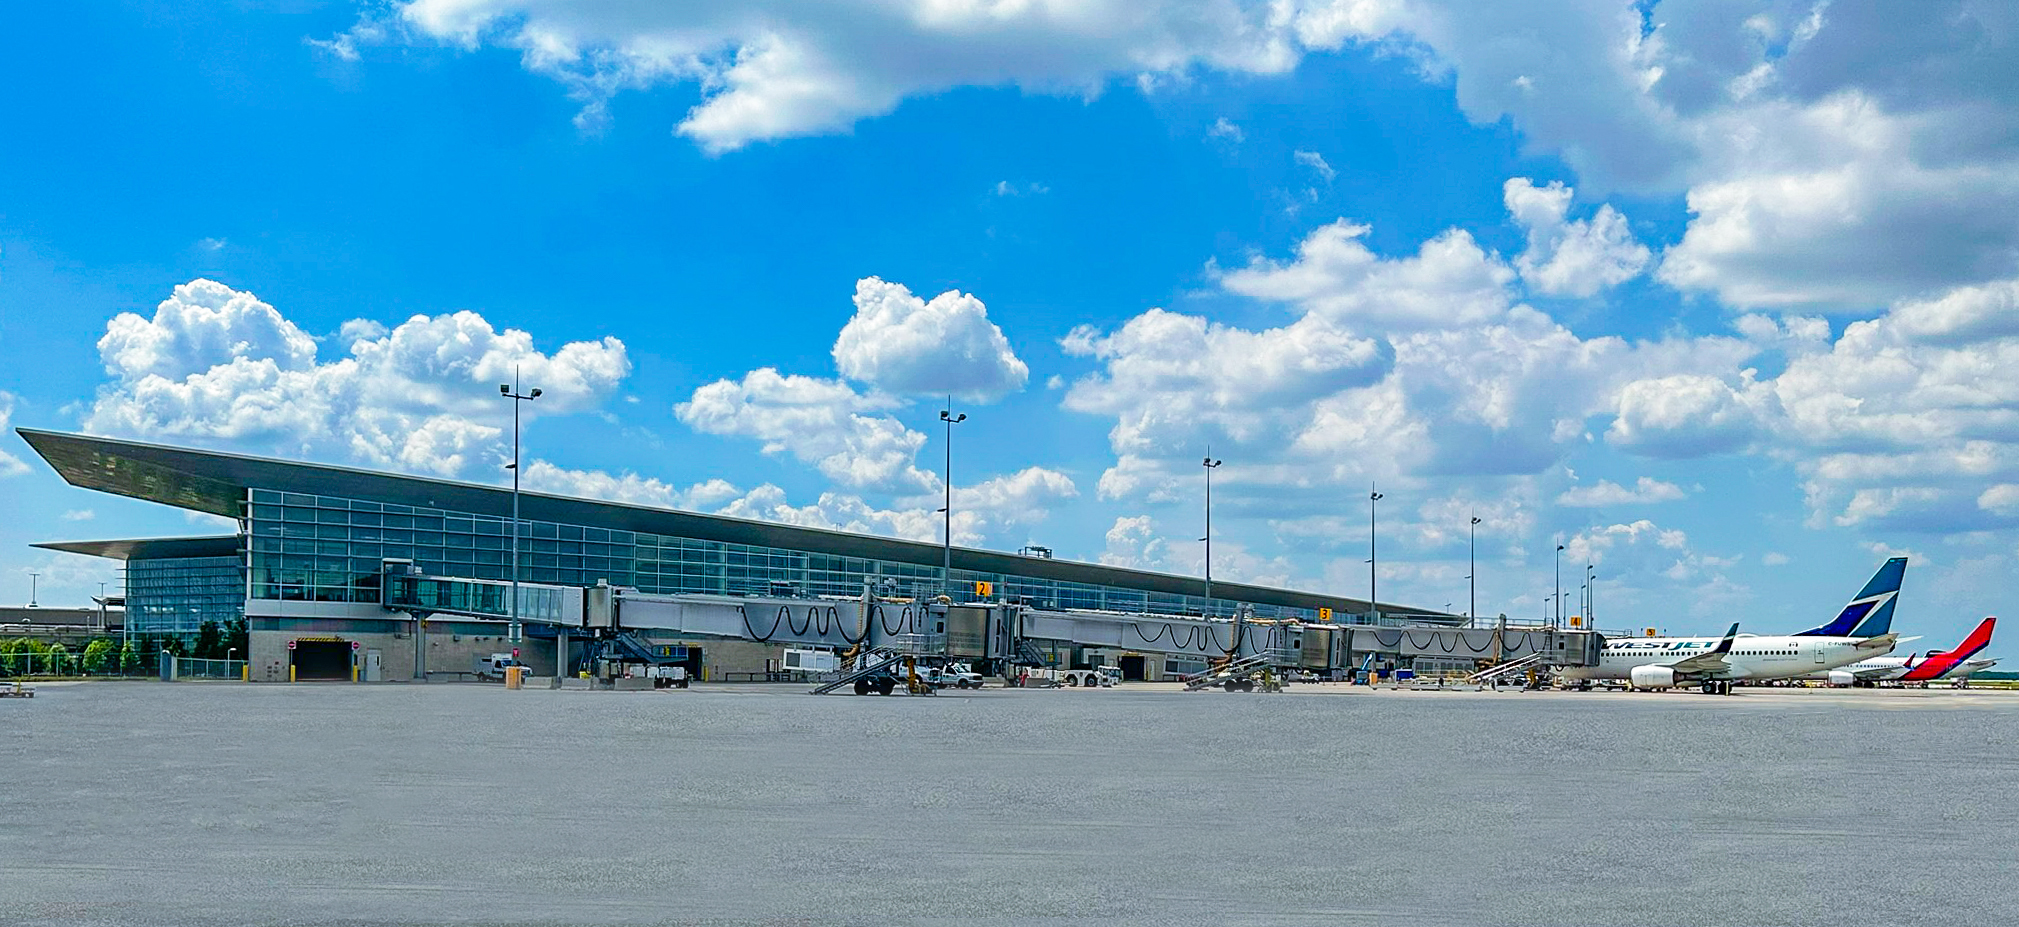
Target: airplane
[1938,664]
[1861,630]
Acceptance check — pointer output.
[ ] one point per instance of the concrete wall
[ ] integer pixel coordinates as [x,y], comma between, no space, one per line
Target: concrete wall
[451,646]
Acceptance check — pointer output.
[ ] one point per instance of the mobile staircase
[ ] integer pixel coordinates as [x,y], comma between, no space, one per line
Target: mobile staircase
[1492,674]
[885,669]
[875,672]
[1245,673]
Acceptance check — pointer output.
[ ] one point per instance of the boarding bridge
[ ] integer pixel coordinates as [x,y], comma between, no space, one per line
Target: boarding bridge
[991,633]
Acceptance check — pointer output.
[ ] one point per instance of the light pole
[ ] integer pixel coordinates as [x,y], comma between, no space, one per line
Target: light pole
[946,415]
[511,391]
[1559,585]
[34,581]
[1472,574]
[1373,558]
[1210,464]
[1590,593]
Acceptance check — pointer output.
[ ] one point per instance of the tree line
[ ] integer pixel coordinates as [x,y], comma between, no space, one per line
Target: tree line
[108,656]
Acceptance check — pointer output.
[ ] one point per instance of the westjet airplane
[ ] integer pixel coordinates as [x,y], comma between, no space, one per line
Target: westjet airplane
[1863,629]
[1938,664]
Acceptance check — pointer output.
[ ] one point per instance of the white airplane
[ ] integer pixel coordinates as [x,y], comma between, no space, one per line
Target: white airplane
[1937,664]
[1860,631]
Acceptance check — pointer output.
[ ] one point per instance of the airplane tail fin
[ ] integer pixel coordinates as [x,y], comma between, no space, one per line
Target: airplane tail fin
[1870,614]
[1939,662]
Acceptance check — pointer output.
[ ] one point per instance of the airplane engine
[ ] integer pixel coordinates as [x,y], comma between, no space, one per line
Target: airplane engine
[1843,678]
[1652,677]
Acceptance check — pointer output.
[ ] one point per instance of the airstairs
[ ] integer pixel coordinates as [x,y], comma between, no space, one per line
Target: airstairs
[1534,661]
[881,663]
[1239,675]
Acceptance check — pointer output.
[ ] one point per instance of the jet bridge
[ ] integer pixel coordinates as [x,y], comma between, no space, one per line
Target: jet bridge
[992,634]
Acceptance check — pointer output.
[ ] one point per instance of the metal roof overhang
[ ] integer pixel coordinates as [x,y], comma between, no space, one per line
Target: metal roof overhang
[150,548]
[215,482]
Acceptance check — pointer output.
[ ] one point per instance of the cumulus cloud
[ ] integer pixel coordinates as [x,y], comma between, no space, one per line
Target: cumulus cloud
[848,436]
[1837,156]
[1605,492]
[1449,281]
[1685,415]
[1225,130]
[627,486]
[904,344]
[771,69]
[78,515]
[1422,365]
[217,363]
[1570,257]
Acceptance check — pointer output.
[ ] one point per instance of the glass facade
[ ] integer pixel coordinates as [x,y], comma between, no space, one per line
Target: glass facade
[174,597]
[329,549]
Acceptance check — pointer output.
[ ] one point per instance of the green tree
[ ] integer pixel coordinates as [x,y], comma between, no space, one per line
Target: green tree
[98,656]
[56,659]
[129,660]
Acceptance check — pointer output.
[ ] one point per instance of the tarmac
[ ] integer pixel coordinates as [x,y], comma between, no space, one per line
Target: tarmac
[223,803]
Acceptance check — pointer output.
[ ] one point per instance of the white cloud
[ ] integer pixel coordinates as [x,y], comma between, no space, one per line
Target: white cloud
[1774,558]
[1414,366]
[1450,281]
[1225,130]
[1605,493]
[213,362]
[904,344]
[629,487]
[770,69]
[1316,162]
[1841,157]
[845,434]
[1029,188]
[1684,415]
[1570,258]
[211,244]
[78,515]
[10,465]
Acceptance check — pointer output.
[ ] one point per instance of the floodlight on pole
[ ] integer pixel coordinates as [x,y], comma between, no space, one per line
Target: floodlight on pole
[1472,578]
[511,391]
[1210,464]
[1373,558]
[1559,585]
[946,554]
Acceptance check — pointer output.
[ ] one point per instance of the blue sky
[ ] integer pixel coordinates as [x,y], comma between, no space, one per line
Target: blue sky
[1721,294]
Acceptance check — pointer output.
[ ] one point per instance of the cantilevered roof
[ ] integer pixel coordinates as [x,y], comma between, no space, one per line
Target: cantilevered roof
[216,482]
[150,548]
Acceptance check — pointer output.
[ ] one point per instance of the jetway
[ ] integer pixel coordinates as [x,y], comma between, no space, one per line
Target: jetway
[991,634]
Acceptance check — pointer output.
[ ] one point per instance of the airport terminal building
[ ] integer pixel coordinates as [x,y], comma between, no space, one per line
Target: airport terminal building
[305,566]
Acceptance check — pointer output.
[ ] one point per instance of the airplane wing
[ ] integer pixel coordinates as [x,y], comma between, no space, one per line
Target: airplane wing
[1875,673]
[1710,661]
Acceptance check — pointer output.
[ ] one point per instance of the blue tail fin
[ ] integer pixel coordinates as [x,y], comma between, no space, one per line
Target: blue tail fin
[1871,613]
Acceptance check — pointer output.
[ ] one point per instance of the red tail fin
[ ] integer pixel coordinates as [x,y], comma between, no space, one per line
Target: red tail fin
[1939,664]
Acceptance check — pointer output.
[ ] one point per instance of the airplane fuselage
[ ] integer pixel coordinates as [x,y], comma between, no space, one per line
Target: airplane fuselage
[1751,657]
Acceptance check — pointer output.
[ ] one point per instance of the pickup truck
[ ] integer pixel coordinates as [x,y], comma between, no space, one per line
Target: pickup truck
[493,666]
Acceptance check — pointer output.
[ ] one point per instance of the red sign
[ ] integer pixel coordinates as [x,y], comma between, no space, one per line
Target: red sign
[290,645]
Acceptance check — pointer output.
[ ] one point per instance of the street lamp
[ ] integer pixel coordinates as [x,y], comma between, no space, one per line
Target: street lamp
[34,581]
[1373,558]
[1472,576]
[511,391]
[946,415]
[1210,464]
[1590,594]
[1559,585]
